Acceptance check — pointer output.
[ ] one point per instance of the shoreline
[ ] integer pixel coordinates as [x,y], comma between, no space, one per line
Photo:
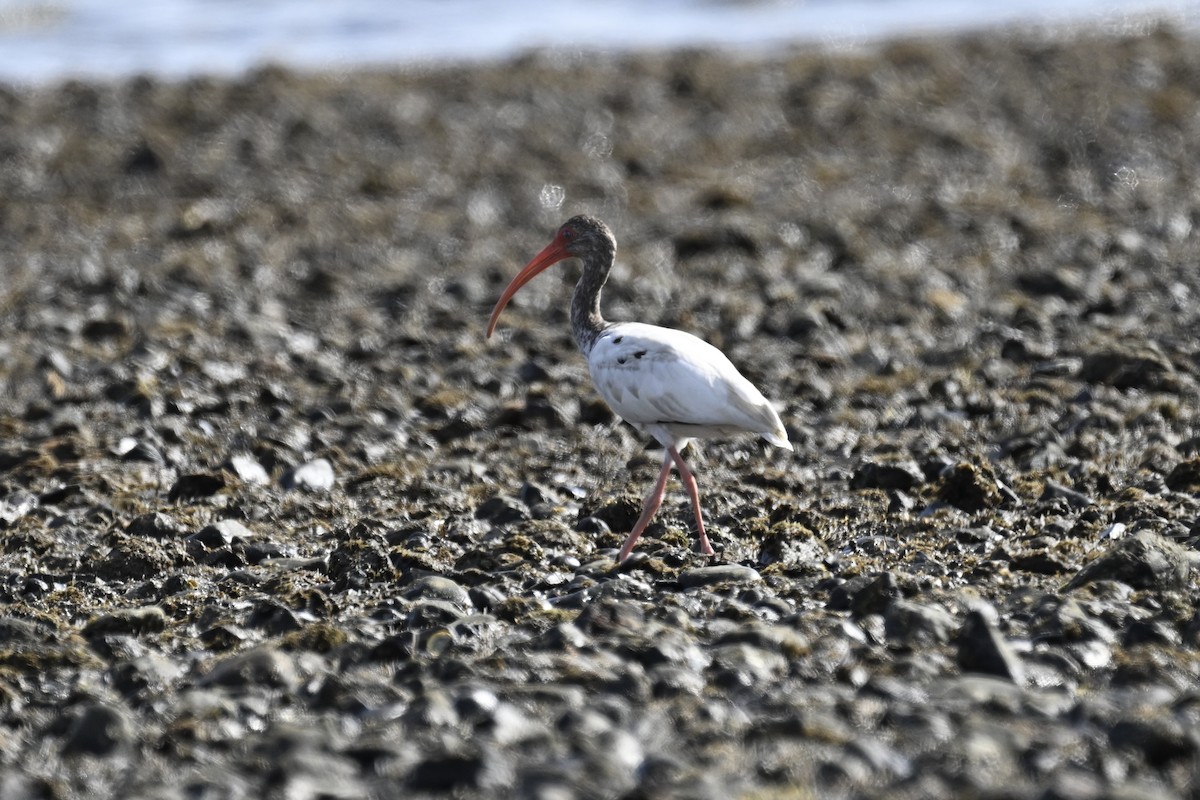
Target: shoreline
[1111,23]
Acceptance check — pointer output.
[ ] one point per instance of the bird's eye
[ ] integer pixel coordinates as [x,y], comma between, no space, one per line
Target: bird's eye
[568,234]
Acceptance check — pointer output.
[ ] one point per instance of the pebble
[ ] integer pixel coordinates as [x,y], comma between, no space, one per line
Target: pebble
[717,574]
[436,587]
[14,507]
[249,470]
[314,476]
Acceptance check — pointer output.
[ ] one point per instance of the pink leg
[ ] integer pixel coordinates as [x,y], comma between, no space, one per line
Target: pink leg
[689,480]
[653,501]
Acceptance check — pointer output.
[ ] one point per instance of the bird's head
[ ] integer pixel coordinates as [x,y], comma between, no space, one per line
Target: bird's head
[582,235]
[579,237]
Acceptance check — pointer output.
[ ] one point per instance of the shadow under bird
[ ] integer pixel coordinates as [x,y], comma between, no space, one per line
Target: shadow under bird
[664,382]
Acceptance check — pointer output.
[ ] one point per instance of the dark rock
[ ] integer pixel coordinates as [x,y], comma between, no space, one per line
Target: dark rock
[485,597]
[152,675]
[983,535]
[842,594]
[136,558]
[619,513]
[1060,282]
[876,596]
[1055,490]
[742,665]
[97,730]
[262,666]
[532,371]
[1160,738]
[594,411]
[1153,632]
[221,533]
[273,618]
[1041,563]
[706,241]
[982,648]
[156,525]
[433,614]
[149,619]
[100,329]
[970,487]
[195,487]
[535,413]
[502,510]
[1144,560]
[455,773]
[917,624]
[592,525]
[902,475]
[143,160]
[531,494]
[1185,477]
[1081,636]
[14,630]
[60,495]
[1129,368]
[900,503]
[608,615]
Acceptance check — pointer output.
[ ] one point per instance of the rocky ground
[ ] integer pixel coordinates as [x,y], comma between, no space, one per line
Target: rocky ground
[277,521]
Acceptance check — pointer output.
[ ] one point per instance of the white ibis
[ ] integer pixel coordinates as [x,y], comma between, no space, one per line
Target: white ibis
[664,382]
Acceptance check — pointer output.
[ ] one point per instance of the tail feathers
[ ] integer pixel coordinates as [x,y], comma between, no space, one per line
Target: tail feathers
[778,437]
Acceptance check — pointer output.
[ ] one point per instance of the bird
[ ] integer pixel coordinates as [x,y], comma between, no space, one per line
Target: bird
[666,383]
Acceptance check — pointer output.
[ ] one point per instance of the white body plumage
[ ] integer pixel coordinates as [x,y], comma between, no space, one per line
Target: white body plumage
[676,386]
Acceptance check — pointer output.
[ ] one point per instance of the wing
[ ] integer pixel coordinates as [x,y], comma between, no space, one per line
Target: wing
[654,376]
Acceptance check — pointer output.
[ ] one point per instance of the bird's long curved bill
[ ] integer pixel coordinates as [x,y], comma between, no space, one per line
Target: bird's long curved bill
[551,254]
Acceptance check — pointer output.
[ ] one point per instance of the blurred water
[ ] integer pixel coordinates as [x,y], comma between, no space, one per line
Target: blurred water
[43,40]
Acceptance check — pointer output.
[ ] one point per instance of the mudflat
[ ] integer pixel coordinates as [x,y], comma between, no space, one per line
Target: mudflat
[277,521]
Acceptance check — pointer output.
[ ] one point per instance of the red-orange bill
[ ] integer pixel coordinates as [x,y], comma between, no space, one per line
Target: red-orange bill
[551,254]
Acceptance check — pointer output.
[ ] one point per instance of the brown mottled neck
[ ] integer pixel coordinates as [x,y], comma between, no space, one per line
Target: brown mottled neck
[597,254]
